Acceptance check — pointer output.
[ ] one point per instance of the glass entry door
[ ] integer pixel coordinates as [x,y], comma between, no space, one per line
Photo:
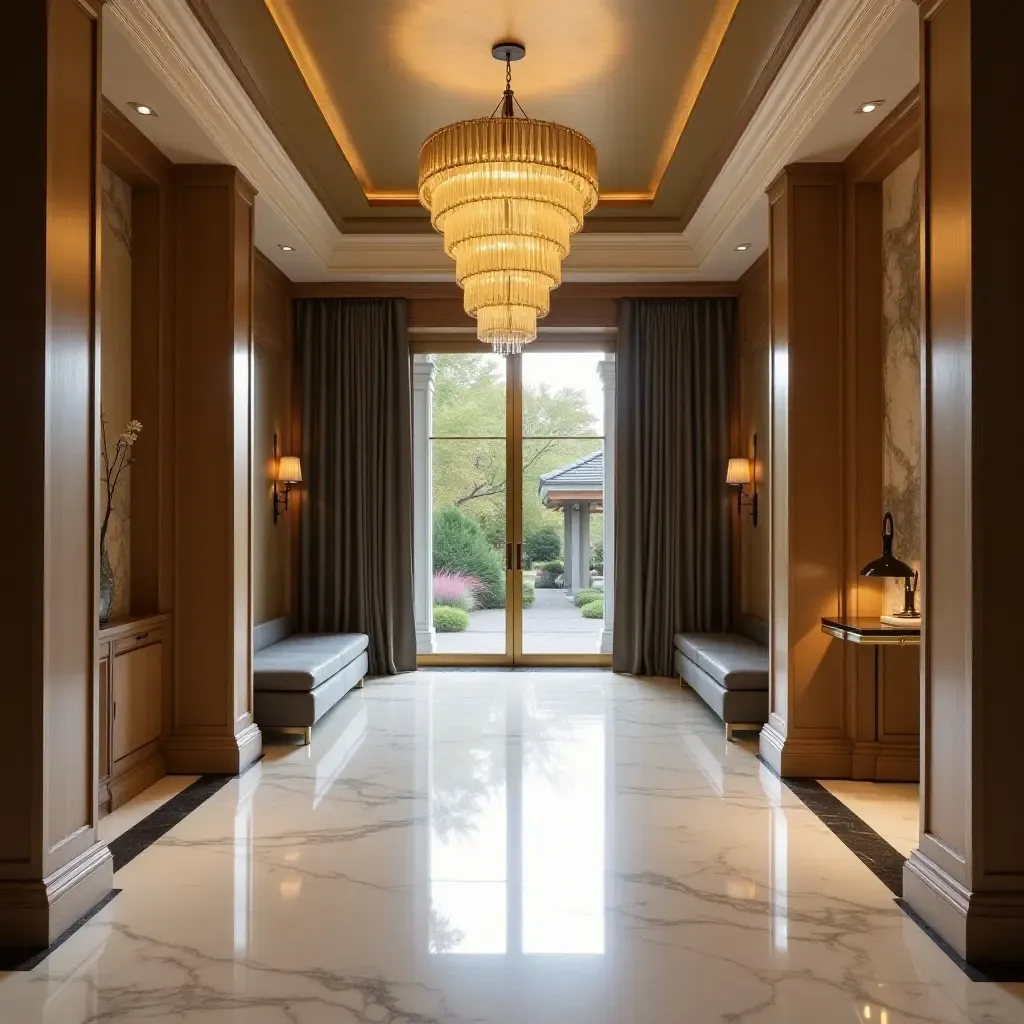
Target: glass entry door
[515,488]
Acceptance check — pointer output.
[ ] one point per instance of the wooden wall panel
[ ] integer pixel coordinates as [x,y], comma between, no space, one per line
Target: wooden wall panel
[806,732]
[213,728]
[272,394]
[52,866]
[966,878]
[753,599]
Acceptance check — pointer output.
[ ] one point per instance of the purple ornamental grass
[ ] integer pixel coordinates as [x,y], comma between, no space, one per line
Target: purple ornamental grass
[455,589]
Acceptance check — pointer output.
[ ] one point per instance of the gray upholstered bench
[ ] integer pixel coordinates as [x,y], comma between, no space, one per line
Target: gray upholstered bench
[298,678]
[730,672]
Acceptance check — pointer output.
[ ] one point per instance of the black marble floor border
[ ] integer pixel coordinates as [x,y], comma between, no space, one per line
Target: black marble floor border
[998,973]
[878,855]
[127,846]
[124,849]
[885,862]
[13,959]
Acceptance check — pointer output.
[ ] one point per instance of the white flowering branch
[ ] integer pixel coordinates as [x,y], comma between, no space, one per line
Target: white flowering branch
[114,467]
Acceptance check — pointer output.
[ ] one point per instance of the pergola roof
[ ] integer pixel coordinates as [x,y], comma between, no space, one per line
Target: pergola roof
[582,480]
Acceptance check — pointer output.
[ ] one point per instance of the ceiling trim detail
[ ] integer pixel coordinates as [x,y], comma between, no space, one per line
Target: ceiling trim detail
[837,38]
[170,37]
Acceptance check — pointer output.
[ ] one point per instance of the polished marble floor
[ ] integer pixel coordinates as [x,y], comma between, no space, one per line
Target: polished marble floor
[514,848]
[890,808]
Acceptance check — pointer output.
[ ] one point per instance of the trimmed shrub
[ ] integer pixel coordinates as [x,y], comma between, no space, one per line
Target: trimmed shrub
[581,597]
[448,619]
[548,573]
[460,547]
[455,590]
[542,545]
[529,594]
[593,609]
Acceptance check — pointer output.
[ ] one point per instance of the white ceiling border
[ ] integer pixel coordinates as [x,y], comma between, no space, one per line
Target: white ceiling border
[169,36]
[838,37]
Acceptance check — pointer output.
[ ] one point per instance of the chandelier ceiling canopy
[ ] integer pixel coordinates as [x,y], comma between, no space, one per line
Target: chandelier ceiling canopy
[507,193]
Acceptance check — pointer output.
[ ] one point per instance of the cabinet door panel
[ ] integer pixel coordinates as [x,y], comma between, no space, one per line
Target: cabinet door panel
[137,699]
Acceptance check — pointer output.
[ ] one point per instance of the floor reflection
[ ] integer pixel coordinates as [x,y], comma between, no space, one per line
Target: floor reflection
[517,827]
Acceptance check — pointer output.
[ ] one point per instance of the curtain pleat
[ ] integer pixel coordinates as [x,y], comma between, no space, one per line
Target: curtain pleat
[672,511]
[356,564]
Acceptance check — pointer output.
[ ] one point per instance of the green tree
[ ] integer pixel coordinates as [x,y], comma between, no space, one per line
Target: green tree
[542,545]
[469,450]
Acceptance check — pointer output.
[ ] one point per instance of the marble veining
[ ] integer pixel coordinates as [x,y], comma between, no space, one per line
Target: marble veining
[901,225]
[504,848]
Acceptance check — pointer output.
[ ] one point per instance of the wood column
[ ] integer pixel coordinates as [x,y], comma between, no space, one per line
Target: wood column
[805,734]
[966,878]
[53,868]
[213,728]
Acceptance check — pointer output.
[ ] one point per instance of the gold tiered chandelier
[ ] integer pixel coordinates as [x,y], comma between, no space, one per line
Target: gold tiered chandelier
[507,193]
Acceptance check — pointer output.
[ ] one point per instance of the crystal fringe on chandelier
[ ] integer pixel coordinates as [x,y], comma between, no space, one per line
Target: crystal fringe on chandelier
[507,193]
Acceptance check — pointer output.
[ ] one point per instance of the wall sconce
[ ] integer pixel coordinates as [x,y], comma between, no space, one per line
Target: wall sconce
[740,473]
[287,471]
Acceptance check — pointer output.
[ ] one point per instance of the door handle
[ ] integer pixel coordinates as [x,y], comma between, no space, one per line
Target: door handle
[508,557]
[519,557]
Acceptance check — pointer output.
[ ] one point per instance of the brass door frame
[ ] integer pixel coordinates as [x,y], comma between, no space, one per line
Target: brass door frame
[513,656]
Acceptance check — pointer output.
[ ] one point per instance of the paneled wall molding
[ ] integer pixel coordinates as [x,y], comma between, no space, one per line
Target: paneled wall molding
[966,877]
[213,728]
[806,734]
[53,866]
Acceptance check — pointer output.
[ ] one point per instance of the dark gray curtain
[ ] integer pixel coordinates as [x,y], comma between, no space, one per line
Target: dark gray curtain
[356,568]
[672,511]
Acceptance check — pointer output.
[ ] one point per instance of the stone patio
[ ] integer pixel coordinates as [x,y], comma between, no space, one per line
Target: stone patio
[552,625]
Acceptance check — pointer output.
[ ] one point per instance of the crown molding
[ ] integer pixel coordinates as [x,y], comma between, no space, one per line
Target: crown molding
[838,38]
[170,37]
[594,257]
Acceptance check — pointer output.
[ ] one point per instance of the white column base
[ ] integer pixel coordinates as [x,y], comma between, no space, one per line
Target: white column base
[426,641]
[606,641]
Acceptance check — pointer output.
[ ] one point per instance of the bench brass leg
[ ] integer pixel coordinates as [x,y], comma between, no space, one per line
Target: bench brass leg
[731,728]
[359,685]
[307,735]
[729,731]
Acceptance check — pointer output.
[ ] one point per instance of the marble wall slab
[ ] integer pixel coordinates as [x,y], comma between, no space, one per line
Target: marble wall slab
[901,329]
[116,366]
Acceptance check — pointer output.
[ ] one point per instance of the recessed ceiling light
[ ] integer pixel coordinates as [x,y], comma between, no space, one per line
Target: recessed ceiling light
[287,248]
[869,107]
[144,109]
[743,247]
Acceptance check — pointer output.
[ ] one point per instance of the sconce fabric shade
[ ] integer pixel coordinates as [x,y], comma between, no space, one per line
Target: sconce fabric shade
[888,566]
[289,470]
[738,472]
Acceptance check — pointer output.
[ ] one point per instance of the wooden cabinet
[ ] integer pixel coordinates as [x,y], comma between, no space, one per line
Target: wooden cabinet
[131,670]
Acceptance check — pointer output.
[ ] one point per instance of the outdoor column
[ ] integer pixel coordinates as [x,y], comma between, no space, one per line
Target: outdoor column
[567,558]
[581,546]
[966,878]
[606,370]
[53,866]
[423,370]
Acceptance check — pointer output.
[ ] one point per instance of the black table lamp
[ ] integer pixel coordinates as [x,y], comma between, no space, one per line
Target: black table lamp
[891,567]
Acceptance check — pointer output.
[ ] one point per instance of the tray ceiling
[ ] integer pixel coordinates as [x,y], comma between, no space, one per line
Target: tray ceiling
[351,88]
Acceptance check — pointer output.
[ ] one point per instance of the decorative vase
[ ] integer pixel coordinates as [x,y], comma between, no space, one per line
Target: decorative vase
[106,586]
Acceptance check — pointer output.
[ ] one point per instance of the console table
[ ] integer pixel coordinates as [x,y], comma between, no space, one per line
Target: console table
[883,727]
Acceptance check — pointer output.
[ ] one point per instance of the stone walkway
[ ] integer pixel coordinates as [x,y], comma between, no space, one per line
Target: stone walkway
[552,625]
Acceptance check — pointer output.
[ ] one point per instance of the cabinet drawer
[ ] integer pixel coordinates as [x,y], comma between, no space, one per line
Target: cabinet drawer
[144,636]
[138,696]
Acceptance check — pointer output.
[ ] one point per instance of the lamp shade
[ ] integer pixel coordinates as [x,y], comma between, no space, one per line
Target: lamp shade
[888,566]
[289,470]
[738,472]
